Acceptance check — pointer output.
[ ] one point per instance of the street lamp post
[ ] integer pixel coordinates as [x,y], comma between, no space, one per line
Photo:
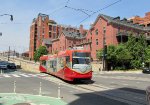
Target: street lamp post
[104,48]
[11,16]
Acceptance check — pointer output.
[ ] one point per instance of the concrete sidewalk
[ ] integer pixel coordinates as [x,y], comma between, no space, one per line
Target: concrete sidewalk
[115,72]
[26,99]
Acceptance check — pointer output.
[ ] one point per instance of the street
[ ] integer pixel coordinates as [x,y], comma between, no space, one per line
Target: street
[105,89]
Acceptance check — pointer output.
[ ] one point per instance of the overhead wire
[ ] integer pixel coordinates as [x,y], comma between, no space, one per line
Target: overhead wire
[80,10]
[99,11]
[67,2]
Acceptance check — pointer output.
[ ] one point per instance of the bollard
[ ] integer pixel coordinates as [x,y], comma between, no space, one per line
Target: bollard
[148,94]
[1,71]
[40,88]
[59,90]
[14,86]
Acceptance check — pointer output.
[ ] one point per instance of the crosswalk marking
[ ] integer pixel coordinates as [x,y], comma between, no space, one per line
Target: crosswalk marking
[22,75]
[15,75]
[5,75]
[33,75]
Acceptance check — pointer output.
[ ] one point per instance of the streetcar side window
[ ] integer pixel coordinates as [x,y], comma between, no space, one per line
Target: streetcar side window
[43,63]
[68,64]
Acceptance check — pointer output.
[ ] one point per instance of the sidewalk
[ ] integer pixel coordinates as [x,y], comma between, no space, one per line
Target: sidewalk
[26,99]
[115,72]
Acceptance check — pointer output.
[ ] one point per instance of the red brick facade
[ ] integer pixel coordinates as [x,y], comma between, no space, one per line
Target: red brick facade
[44,31]
[59,37]
[116,32]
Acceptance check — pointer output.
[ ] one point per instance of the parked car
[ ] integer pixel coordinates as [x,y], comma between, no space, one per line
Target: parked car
[3,65]
[146,70]
[11,66]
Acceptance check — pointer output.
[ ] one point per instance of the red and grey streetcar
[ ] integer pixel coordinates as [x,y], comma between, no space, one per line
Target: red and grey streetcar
[68,65]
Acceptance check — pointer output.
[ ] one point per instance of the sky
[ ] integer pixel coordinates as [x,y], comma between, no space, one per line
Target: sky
[16,33]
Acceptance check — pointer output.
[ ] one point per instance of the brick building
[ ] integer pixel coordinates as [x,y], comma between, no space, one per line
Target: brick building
[47,32]
[142,20]
[58,37]
[39,30]
[116,31]
[66,40]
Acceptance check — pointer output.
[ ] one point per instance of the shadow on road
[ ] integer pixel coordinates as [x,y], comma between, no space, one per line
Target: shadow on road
[120,96]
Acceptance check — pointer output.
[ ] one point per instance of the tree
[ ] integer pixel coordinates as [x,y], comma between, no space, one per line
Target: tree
[39,52]
[110,56]
[136,47]
[147,55]
[123,56]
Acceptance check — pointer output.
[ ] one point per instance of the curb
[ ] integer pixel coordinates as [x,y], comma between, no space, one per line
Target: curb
[117,72]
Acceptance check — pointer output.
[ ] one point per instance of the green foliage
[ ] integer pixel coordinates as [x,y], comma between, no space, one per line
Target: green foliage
[128,55]
[39,52]
[99,54]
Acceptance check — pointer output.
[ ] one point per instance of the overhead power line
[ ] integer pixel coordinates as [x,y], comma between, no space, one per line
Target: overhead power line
[67,2]
[80,10]
[99,11]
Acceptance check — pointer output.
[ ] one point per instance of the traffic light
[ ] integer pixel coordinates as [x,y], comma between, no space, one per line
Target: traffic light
[11,17]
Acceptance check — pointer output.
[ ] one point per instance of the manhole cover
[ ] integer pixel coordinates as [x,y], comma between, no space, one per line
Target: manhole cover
[22,104]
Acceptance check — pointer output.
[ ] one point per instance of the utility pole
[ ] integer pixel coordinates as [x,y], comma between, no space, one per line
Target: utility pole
[104,48]
[9,53]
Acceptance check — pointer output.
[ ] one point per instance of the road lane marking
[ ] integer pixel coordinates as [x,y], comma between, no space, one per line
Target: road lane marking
[125,84]
[7,76]
[138,82]
[42,75]
[15,75]
[24,75]
[33,75]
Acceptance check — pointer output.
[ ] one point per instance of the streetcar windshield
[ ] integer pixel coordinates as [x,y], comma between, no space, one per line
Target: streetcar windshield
[81,54]
[81,60]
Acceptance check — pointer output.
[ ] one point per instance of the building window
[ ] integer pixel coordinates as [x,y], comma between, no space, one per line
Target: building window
[50,27]
[54,28]
[91,32]
[118,29]
[43,30]
[88,40]
[54,35]
[96,41]
[96,31]
[50,34]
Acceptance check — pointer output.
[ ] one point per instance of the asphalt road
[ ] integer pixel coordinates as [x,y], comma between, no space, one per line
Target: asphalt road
[119,80]
[101,92]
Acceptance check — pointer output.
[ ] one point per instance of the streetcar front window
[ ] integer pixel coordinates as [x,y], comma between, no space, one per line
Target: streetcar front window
[81,60]
[81,54]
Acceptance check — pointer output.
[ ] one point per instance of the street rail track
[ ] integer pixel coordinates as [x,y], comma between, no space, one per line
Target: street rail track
[101,90]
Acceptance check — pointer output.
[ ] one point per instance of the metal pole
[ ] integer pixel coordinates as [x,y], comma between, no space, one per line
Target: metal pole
[40,89]
[9,53]
[59,90]
[14,86]
[1,71]
[104,31]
